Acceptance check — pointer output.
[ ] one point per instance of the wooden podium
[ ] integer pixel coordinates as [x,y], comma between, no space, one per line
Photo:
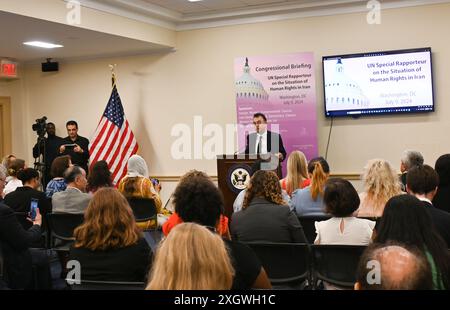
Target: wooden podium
[233,172]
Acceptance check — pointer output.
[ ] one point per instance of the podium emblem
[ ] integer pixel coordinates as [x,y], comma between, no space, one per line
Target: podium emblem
[238,177]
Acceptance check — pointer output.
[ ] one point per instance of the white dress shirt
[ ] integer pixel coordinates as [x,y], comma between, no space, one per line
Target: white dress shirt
[263,138]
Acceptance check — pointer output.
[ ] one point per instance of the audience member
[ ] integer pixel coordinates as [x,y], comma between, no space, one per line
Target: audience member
[191,258]
[58,184]
[99,177]
[13,169]
[20,199]
[239,201]
[73,200]
[380,183]
[19,259]
[3,175]
[409,160]
[442,198]
[422,182]
[136,184]
[109,245]
[309,200]
[184,202]
[341,201]
[405,220]
[396,268]
[297,173]
[265,216]
[204,206]
[6,162]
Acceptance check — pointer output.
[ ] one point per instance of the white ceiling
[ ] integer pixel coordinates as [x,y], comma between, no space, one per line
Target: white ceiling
[184,15]
[78,43]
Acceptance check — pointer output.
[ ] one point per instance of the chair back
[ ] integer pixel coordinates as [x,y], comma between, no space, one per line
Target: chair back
[284,263]
[144,209]
[62,225]
[336,264]
[309,228]
[107,285]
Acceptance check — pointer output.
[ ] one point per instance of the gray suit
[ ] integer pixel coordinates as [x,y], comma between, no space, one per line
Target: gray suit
[266,222]
[71,201]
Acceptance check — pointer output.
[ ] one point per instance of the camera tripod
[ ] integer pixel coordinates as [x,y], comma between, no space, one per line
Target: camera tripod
[40,162]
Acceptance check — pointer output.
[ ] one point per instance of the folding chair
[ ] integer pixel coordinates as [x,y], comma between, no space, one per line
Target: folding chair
[286,264]
[309,228]
[336,264]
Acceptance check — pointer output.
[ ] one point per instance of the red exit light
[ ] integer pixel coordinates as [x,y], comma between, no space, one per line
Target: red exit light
[8,69]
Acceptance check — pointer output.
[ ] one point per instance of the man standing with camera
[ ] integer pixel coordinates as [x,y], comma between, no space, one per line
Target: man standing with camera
[75,146]
[48,147]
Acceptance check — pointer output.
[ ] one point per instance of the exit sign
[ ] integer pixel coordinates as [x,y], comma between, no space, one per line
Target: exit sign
[8,69]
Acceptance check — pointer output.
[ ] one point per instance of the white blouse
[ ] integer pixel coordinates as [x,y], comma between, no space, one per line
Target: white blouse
[356,231]
[12,185]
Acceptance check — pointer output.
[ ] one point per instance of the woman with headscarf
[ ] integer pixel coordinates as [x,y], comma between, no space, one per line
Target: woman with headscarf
[136,184]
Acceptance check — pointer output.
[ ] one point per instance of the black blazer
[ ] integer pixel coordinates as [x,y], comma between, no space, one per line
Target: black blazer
[271,147]
[442,198]
[441,220]
[15,242]
[20,201]
[266,222]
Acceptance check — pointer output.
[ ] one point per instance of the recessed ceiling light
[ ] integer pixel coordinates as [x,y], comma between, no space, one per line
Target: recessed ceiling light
[42,44]
[194,0]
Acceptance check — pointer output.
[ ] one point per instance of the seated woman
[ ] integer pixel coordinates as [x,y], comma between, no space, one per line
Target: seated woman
[182,206]
[406,220]
[136,184]
[380,184]
[99,177]
[265,216]
[199,260]
[297,173]
[341,201]
[12,181]
[58,184]
[19,258]
[309,200]
[20,199]
[109,245]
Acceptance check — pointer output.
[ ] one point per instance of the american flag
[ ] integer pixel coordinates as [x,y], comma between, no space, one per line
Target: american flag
[113,140]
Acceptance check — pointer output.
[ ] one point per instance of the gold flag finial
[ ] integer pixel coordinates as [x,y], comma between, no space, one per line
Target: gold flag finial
[113,73]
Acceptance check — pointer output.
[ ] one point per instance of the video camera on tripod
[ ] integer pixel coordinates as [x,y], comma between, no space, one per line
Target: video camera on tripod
[40,127]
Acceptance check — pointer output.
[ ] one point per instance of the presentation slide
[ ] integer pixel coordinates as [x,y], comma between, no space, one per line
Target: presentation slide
[378,83]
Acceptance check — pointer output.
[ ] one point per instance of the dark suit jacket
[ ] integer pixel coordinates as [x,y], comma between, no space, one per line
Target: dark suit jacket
[274,144]
[80,159]
[442,198]
[441,220]
[267,222]
[15,242]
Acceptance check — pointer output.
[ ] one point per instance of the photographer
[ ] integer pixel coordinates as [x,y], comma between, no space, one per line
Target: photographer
[48,147]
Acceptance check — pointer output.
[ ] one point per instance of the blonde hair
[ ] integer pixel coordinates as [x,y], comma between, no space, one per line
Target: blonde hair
[108,223]
[381,183]
[297,171]
[191,258]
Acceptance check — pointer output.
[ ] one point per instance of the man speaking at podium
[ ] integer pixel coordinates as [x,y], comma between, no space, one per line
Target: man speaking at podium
[264,141]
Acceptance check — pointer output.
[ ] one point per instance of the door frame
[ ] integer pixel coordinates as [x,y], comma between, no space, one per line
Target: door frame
[5,122]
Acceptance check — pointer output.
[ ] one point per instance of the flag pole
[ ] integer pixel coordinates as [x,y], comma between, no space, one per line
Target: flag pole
[113,74]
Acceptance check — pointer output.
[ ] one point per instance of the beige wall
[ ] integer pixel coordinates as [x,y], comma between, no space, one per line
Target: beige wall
[161,90]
